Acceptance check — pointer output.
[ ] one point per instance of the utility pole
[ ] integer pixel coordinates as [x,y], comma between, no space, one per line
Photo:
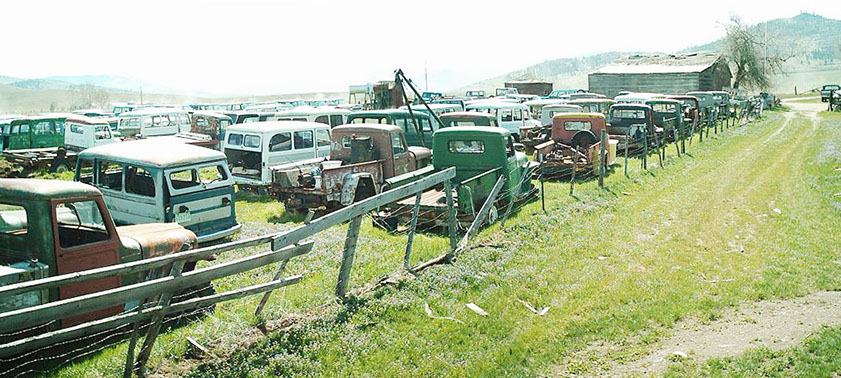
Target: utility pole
[425,77]
[141,95]
[765,61]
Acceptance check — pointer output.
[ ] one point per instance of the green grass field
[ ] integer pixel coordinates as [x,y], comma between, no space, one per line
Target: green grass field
[750,214]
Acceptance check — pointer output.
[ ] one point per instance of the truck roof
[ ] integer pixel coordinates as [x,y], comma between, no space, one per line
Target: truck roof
[158,152]
[578,115]
[273,126]
[87,120]
[473,131]
[40,189]
[366,127]
[385,112]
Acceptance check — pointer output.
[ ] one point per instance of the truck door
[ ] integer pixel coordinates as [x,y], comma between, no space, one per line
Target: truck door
[512,170]
[84,238]
[19,136]
[402,160]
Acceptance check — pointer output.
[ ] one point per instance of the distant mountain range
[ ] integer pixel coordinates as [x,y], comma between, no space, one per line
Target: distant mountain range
[808,38]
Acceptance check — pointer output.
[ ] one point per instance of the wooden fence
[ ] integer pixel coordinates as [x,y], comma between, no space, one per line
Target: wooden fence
[155,294]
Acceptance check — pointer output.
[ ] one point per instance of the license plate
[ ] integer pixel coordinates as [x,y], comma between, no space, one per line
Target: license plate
[182,217]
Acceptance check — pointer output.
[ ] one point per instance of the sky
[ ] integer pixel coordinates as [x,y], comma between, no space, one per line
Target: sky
[251,47]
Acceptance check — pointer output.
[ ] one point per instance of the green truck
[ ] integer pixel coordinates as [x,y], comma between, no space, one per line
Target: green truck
[481,155]
[36,143]
[52,227]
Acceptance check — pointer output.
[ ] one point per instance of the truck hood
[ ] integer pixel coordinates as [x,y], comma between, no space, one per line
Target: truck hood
[155,239]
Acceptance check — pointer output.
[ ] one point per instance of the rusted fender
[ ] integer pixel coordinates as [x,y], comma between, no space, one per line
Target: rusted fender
[158,239]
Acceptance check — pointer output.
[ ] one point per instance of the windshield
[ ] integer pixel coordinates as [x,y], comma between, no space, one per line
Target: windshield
[627,113]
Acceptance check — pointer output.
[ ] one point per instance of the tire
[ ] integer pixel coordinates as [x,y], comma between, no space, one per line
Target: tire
[59,166]
[583,139]
[493,215]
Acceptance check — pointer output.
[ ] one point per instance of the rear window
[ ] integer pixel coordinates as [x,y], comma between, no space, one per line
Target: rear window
[280,142]
[252,141]
[577,125]
[466,146]
[369,120]
[76,129]
[664,108]
[235,139]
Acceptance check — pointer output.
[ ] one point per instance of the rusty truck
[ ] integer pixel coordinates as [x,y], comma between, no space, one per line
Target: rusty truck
[52,227]
[363,160]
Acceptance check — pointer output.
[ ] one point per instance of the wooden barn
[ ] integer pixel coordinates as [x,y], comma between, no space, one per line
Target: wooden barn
[667,74]
[532,87]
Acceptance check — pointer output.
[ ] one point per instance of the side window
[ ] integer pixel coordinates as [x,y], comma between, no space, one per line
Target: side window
[323,119]
[280,142]
[404,124]
[336,120]
[76,129]
[103,132]
[79,223]
[139,181]
[506,115]
[24,128]
[42,128]
[15,129]
[235,139]
[86,171]
[303,139]
[14,223]
[212,173]
[509,146]
[397,143]
[518,114]
[322,138]
[110,175]
[184,179]
[425,125]
[346,141]
[59,127]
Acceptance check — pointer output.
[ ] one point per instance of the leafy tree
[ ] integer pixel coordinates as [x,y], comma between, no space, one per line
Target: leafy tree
[742,49]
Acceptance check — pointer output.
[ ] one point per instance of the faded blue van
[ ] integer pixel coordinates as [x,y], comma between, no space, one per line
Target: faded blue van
[161,180]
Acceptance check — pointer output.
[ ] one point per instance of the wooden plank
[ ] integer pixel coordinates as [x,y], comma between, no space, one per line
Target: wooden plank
[81,330]
[360,208]
[483,212]
[412,226]
[27,317]
[129,268]
[451,219]
[347,257]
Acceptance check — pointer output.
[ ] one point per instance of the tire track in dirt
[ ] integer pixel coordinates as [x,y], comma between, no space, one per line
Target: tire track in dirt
[775,324]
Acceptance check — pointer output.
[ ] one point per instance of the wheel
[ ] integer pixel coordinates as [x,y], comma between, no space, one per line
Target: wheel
[493,215]
[583,139]
[59,166]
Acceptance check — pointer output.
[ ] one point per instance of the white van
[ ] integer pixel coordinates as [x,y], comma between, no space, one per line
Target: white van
[535,106]
[323,114]
[151,122]
[82,132]
[252,148]
[510,115]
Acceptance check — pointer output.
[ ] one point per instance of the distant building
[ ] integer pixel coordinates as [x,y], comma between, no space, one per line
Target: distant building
[667,74]
[532,87]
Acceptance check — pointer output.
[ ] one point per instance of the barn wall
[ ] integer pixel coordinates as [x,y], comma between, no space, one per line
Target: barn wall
[540,89]
[667,83]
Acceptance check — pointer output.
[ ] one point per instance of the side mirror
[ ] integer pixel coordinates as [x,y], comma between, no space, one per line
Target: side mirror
[519,147]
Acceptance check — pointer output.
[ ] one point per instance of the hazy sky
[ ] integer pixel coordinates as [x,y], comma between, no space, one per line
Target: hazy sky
[259,47]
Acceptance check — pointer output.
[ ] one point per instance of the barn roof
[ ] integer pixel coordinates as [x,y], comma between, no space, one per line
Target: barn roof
[646,64]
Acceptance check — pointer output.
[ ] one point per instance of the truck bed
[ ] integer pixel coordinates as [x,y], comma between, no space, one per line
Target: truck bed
[430,198]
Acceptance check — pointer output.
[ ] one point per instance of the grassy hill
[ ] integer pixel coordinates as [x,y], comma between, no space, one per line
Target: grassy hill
[814,42]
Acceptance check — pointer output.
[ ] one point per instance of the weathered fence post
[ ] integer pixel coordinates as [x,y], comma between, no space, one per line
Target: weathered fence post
[627,142]
[347,257]
[265,299]
[645,148]
[412,226]
[451,219]
[574,168]
[542,195]
[157,322]
[602,158]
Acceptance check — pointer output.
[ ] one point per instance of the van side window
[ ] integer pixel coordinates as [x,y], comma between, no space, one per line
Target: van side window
[518,115]
[397,143]
[322,119]
[76,129]
[336,120]
[139,181]
[506,115]
[86,171]
[110,175]
[13,220]
[24,128]
[322,138]
[280,142]
[235,139]
[183,179]
[303,139]
[424,123]
[43,128]
[102,132]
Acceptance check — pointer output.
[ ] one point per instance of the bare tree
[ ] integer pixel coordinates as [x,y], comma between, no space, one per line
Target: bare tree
[87,95]
[742,47]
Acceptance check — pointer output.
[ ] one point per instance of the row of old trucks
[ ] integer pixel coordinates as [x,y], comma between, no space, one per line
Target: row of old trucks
[146,198]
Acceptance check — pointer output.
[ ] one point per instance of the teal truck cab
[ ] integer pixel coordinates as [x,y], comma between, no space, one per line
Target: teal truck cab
[480,155]
[418,133]
[52,227]
[148,181]
[632,125]
[668,115]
